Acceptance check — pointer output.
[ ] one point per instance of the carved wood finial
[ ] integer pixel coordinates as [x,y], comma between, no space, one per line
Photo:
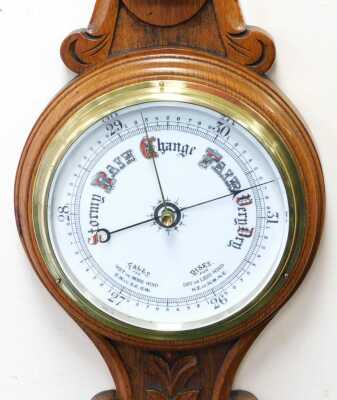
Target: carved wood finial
[89,47]
[119,25]
[246,45]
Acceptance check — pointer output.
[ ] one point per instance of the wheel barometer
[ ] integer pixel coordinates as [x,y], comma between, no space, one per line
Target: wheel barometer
[170,198]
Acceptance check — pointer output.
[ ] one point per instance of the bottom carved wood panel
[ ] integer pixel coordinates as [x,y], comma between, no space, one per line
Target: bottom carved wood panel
[200,374]
[235,395]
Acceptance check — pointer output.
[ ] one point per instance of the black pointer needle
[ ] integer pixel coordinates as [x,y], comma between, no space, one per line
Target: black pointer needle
[235,193]
[108,233]
[154,161]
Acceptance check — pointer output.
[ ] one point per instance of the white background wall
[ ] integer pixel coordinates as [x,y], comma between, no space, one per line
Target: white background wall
[42,353]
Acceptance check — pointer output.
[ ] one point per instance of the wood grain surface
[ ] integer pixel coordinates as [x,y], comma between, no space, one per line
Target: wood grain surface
[215,26]
[154,375]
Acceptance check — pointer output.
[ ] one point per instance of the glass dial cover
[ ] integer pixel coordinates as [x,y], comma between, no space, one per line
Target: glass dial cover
[168,216]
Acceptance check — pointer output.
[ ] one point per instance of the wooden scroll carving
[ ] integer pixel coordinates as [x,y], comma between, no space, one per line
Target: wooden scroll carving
[201,374]
[216,26]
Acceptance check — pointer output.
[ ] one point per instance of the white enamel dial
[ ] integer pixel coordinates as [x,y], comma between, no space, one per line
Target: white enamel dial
[168,216]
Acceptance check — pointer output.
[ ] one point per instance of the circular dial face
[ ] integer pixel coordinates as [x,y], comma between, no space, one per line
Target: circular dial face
[168,216]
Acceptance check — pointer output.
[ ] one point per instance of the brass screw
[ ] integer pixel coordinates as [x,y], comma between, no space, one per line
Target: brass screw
[162,85]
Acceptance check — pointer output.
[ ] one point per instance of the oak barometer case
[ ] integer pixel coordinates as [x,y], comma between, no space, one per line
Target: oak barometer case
[170,198]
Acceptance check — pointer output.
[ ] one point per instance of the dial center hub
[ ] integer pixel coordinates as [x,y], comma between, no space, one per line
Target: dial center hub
[168,218]
[167,215]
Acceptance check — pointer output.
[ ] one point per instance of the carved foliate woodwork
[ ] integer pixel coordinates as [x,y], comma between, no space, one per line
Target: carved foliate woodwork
[170,372]
[199,374]
[216,26]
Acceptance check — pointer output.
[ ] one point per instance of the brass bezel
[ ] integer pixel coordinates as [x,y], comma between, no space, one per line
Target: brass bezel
[183,91]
